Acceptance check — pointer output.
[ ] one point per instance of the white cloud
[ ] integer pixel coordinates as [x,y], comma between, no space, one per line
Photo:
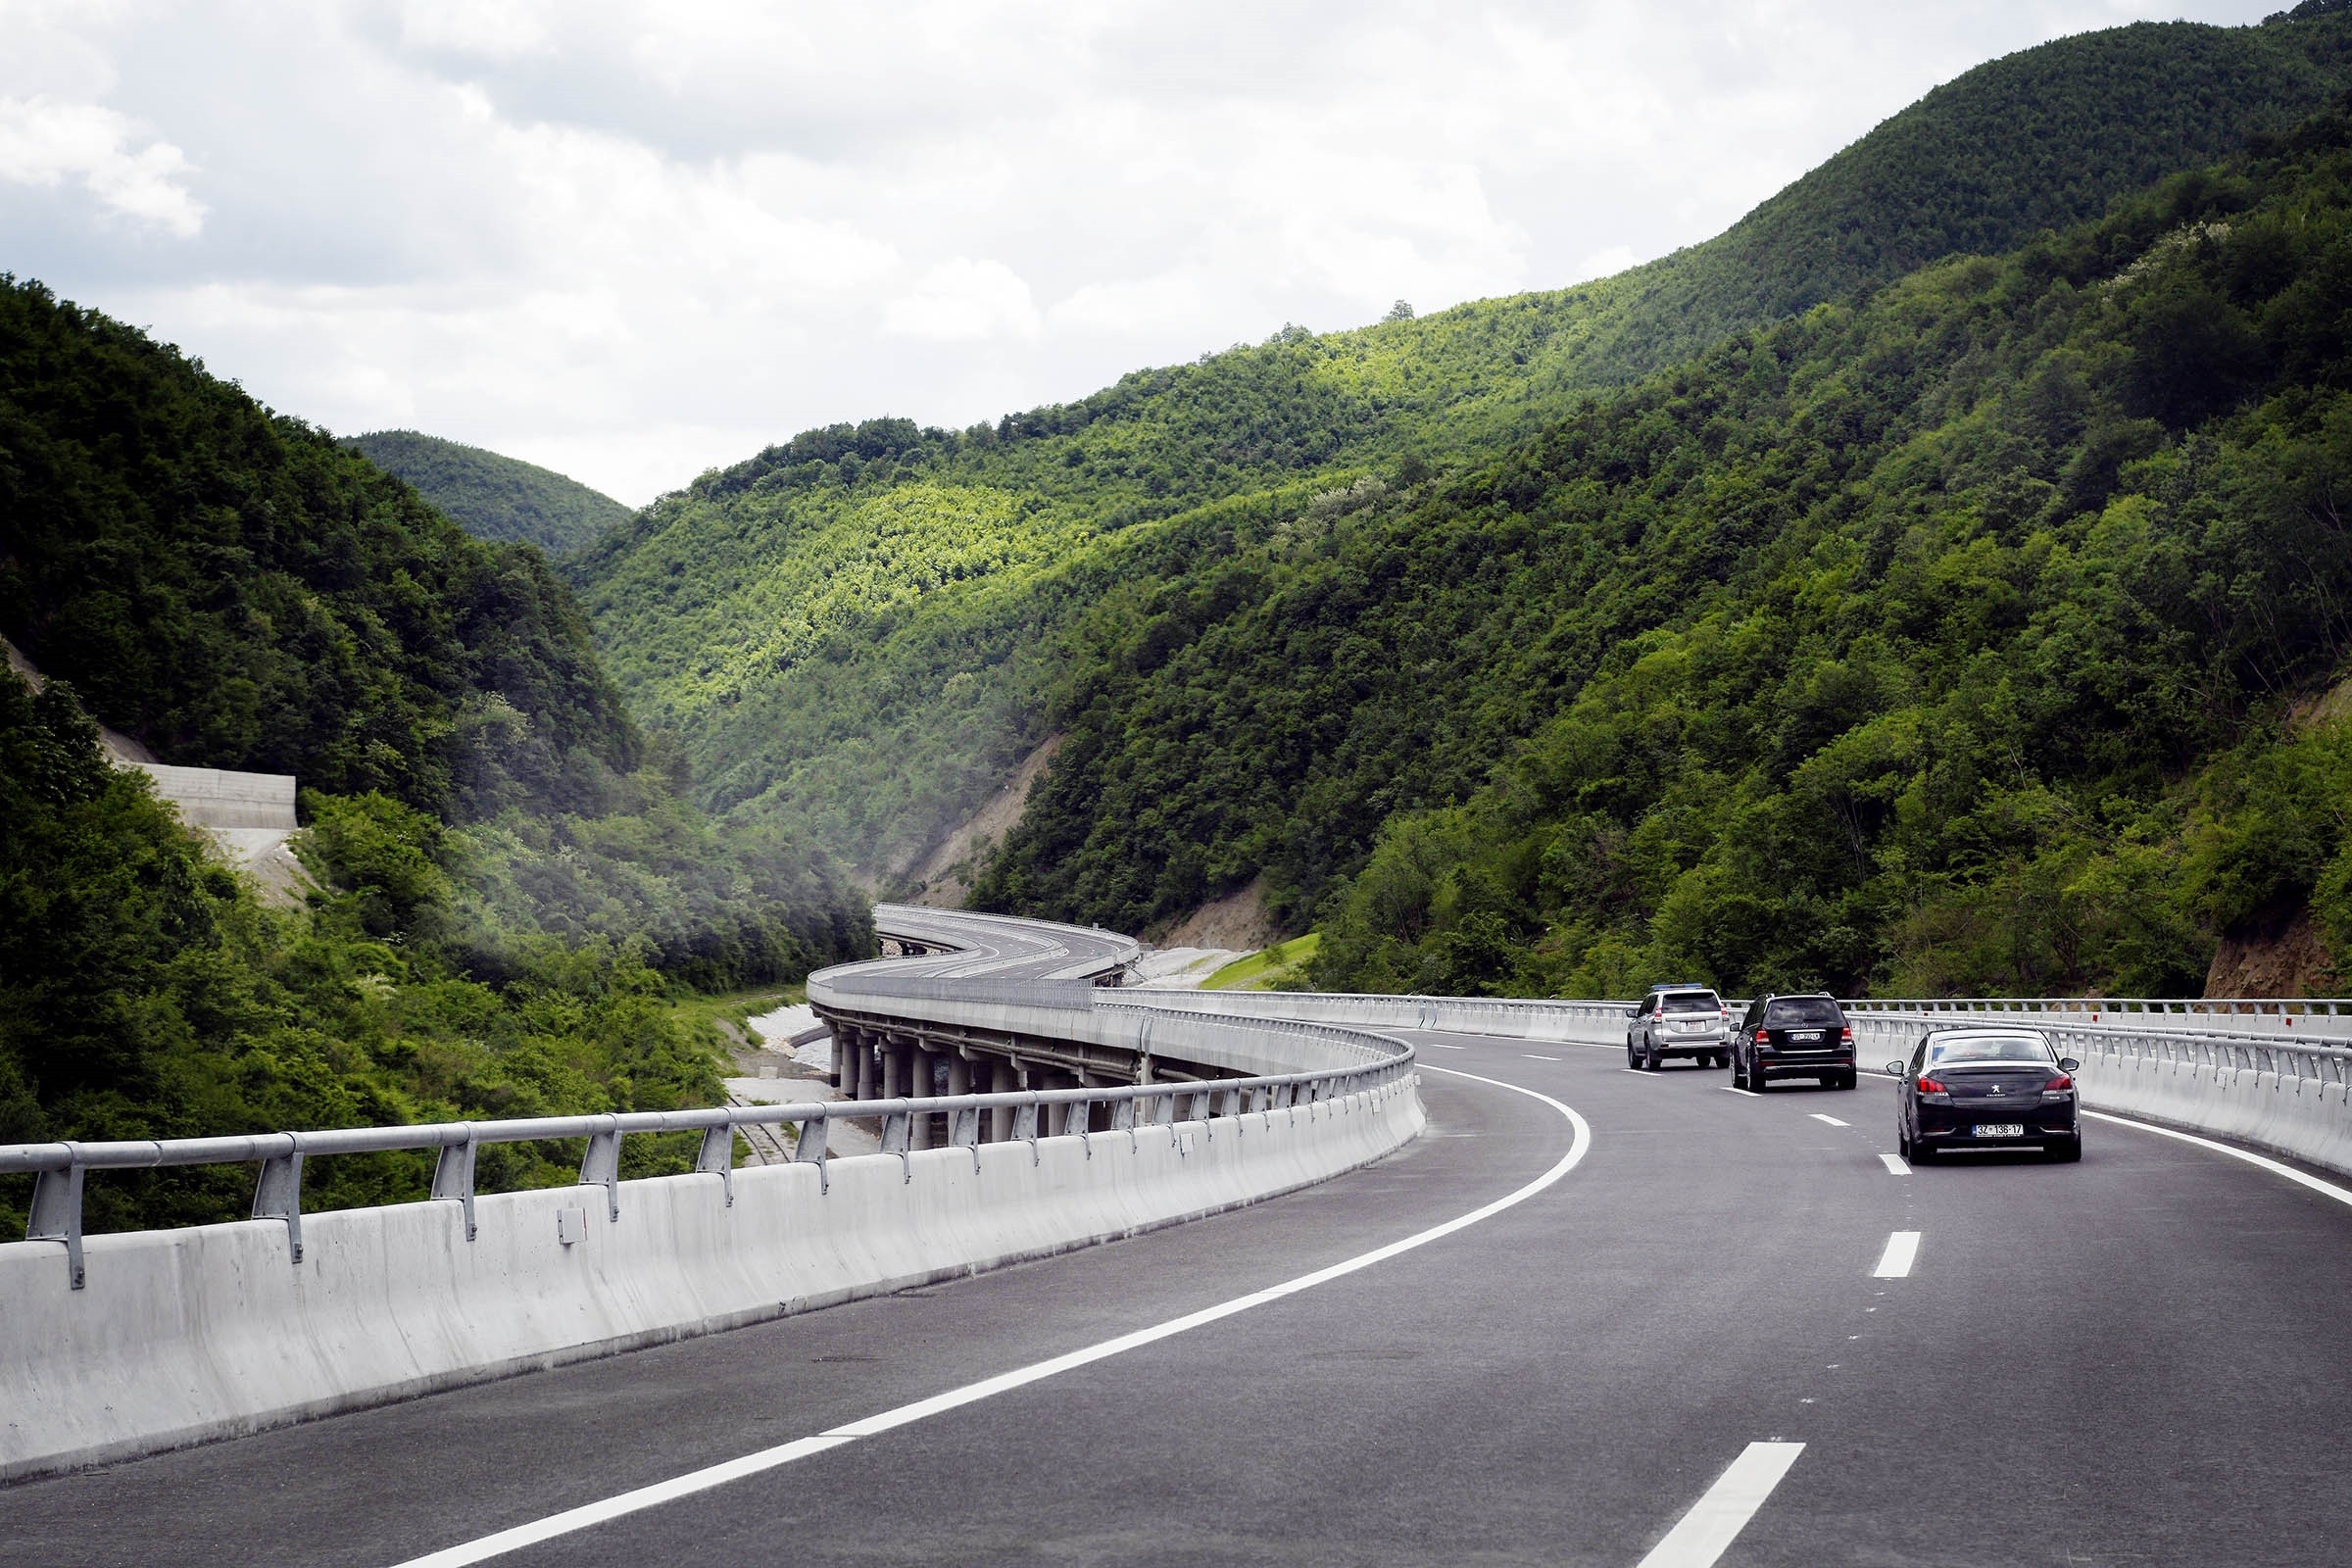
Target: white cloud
[1602,263]
[961,300]
[633,240]
[45,143]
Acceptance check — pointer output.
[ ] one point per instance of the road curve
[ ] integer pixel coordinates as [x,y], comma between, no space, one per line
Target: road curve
[2131,1360]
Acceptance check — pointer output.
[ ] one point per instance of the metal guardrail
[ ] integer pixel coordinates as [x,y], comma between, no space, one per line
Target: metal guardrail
[2175,1006]
[2309,1060]
[61,1169]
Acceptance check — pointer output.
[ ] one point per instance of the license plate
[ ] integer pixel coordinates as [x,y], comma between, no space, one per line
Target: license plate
[2000,1129]
[1805,1037]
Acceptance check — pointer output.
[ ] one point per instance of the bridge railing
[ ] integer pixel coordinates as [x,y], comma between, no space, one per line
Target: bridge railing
[61,1169]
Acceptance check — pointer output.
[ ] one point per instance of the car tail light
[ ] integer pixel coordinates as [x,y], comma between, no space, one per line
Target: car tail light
[1763,1037]
[2059,1084]
[1846,1034]
[1932,1086]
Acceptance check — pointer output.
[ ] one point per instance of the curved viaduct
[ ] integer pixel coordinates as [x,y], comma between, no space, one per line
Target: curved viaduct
[1548,1310]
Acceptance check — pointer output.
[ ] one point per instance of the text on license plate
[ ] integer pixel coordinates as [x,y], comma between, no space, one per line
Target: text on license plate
[2000,1129]
[1803,1036]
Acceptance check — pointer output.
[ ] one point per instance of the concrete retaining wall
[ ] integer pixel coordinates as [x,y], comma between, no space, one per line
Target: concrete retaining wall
[209,797]
[182,1336]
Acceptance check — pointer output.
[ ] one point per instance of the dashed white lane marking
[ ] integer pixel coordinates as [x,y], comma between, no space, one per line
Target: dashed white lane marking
[1832,1120]
[1443,1046]
[591,1514]
[1897,1165]
[1715,1521]
[1531,1057]
[1894,1264]
[2323,1189]
[1728,1089]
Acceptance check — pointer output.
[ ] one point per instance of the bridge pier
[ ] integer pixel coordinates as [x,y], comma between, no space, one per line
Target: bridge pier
[920,1064]
[1003,1078]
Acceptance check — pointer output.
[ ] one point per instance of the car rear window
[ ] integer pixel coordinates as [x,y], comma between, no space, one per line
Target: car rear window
[2001,1047]
[1802,1011]
[1692,1001]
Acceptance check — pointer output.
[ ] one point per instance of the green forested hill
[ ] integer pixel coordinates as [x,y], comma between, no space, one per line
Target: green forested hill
[1966,637]
[859,630]
[510,884]
[494,497]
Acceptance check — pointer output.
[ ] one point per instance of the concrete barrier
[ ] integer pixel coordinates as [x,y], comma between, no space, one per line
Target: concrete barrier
[185,1336]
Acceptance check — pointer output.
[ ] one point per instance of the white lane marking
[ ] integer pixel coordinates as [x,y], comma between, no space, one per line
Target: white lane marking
[1832,1120]
[2323,1189]
[1728,1089]
[1894,1264]
[1715,1521]
[1531,1057]
[1897,1165]
[751,1464]
[1443,1046]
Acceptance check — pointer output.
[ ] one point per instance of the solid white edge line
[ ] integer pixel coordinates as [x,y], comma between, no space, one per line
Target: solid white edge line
[1728,1089]
[1897,1165]
[1902,1250]
[2323,1187]
[1715,1521]
[1531,1057]
[751,1464]
[1442,1046]
[1832,1120]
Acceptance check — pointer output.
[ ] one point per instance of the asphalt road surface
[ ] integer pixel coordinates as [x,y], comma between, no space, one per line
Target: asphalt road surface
[2134,1360]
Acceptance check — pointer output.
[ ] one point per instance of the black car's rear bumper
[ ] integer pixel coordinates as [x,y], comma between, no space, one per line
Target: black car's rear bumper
[1955,1126]
[1802,1063]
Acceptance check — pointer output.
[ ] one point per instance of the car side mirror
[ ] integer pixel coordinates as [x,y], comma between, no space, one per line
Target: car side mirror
[1895,1069]
[2069,1064]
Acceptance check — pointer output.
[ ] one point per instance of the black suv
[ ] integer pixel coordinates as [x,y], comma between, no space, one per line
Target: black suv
[1792,1037]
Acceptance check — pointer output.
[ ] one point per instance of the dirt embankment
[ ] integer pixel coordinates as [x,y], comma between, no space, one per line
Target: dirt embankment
[1238,921]
[2290,961]
[945,873]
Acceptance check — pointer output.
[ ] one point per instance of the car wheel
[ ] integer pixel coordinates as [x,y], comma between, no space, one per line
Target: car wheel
[1902,1140]
[2065,1151]
[1738,1072]
[1631,1061]
[1756,1081]
[1650,1056]
[1847,1080]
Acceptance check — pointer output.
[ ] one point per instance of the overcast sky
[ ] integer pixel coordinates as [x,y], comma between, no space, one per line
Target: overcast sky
[635,240]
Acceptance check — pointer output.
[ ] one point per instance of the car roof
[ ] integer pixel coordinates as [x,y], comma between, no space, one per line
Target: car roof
[1681,985]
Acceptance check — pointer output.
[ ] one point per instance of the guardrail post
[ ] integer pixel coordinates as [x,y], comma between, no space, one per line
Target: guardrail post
[279,1196]
[897,1131]
[716,1158]
[809,1149]
[599,1166]
[56,1214]
[452,1177]
[1024,1126]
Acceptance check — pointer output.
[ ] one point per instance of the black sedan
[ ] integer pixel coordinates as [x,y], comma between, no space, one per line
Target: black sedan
[1987,1088]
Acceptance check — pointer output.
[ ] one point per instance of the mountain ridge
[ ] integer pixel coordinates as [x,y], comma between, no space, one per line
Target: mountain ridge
[858,630]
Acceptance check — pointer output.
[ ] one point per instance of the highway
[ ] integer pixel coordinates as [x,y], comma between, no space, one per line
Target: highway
[2136,1360]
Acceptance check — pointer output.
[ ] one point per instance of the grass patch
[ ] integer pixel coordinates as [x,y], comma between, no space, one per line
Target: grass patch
[1265,970]
[736,1008]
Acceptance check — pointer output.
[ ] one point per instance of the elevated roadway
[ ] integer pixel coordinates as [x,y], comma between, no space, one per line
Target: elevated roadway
[1591,1316]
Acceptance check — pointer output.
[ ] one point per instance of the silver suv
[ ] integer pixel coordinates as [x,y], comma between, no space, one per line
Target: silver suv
[1679,1020]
